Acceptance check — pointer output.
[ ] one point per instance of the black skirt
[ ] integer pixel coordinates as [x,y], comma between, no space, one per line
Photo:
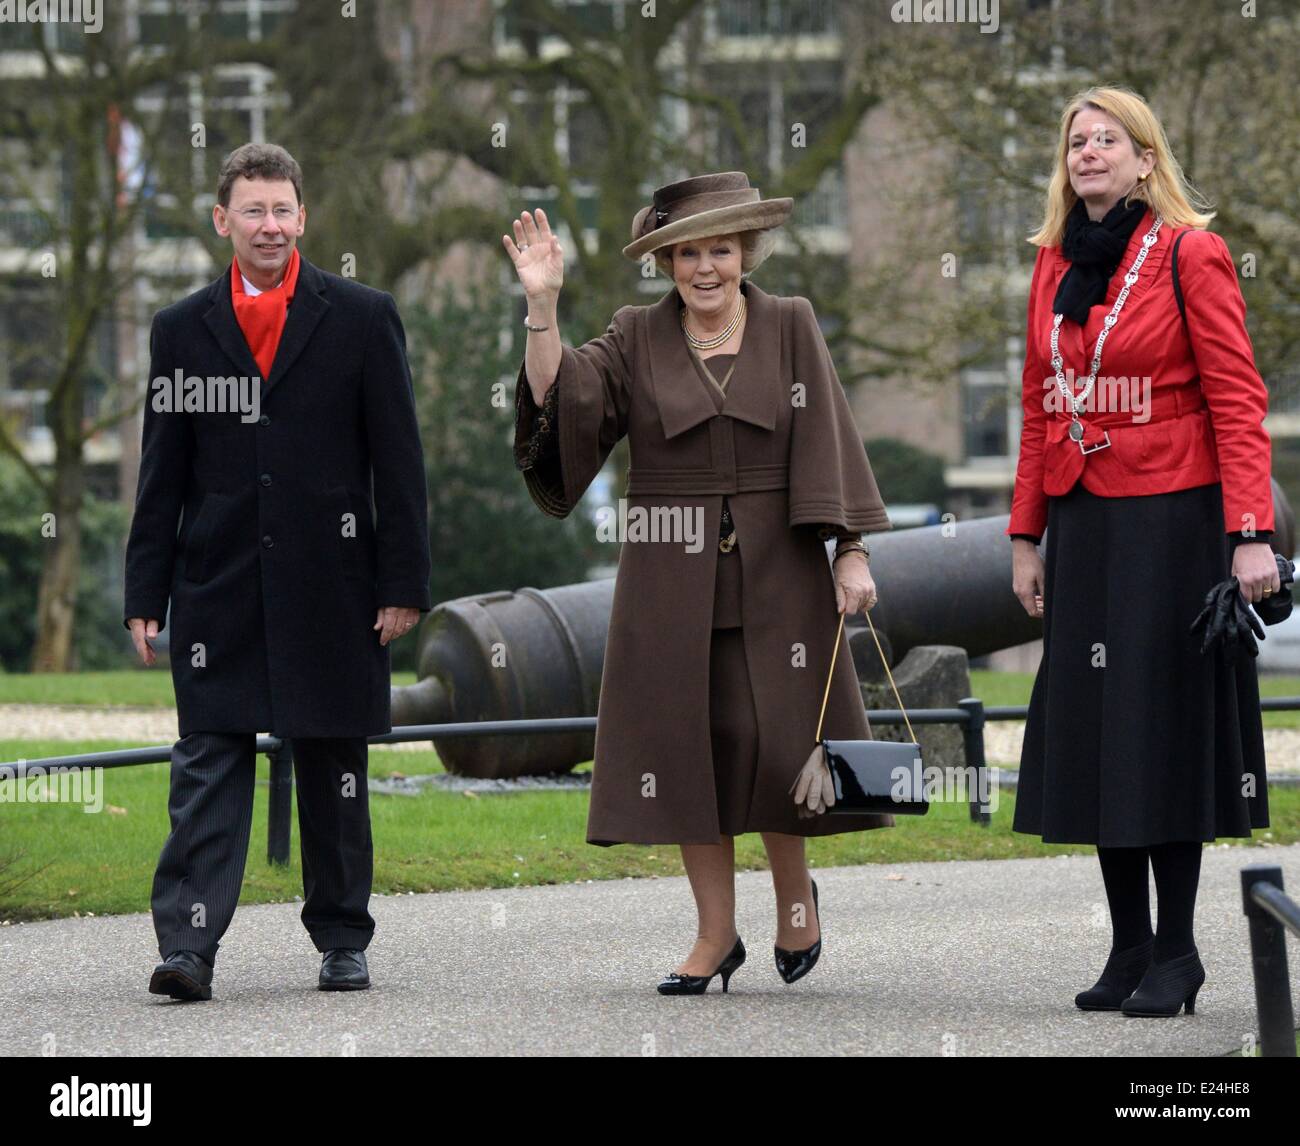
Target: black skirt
[1133,737]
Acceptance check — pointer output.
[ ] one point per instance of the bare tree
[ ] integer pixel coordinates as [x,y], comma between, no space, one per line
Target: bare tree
[61,123]
[1221,82]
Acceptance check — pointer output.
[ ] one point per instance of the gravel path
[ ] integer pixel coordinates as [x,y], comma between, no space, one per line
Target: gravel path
[145,726]
[158,726]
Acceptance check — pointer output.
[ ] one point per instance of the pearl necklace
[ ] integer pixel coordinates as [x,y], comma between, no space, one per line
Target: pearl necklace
[717,340]
[1077,400]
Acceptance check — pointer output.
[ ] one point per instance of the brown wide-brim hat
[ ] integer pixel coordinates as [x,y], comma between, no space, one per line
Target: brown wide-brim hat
[719,204]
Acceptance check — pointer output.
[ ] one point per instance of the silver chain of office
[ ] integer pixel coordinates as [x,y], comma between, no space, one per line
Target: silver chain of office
[1077,400]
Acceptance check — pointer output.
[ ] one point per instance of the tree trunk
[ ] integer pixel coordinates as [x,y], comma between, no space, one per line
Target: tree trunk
[56,604]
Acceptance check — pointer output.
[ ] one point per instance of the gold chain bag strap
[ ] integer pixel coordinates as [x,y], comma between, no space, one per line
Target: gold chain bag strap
[853,777]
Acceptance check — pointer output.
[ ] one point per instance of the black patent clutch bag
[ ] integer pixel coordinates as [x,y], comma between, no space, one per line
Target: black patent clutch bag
[852,777]
[876,776]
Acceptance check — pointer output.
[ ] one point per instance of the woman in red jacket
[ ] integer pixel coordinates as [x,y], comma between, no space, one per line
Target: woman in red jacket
[1144,457]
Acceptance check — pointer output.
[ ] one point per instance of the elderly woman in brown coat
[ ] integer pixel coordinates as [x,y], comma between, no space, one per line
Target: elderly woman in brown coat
[717,654]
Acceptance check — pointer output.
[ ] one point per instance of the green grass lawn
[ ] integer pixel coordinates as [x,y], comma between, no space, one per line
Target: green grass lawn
[103,863]
[1014,688]
[141,687]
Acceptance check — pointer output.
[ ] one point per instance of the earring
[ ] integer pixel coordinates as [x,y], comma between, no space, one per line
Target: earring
[1142,176]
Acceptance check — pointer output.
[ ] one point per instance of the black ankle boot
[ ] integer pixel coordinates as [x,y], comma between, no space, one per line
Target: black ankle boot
[1123,972]
[1166,987]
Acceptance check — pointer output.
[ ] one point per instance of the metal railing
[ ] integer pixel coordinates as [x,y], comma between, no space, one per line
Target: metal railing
[970,714]
[1272,913]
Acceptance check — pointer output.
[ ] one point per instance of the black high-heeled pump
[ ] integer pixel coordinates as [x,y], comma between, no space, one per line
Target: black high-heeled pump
[792,965]
[1123,972]
[675,984]
[1166,987]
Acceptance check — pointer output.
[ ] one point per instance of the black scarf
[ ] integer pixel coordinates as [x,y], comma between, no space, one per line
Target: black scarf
[1094,251]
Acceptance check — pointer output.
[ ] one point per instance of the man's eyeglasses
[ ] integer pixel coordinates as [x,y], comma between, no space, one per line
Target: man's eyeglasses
[282,214]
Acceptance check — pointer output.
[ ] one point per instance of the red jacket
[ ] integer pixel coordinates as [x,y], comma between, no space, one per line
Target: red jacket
[1179,411]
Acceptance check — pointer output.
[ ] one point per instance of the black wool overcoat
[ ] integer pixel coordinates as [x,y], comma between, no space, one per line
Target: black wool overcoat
[276,537]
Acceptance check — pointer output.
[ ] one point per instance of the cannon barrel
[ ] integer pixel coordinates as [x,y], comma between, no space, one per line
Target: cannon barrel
[504,655]
[947,585]
[538,653]
[951,584]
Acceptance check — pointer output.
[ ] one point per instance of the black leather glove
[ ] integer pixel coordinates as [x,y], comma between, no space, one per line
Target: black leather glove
[1277,606]
[1228,622]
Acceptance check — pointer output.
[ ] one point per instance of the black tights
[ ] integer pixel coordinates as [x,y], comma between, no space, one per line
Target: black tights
[1177,868]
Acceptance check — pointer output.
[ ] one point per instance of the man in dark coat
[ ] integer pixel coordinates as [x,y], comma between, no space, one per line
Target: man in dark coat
[280,435]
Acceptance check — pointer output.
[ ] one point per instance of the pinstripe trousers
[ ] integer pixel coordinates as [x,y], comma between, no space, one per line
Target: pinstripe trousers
[201,868]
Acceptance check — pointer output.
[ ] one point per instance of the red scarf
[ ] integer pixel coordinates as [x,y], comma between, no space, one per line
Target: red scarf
[262,316]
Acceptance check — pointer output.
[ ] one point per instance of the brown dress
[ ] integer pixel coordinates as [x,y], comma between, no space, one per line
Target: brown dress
[733,723]
[755,745]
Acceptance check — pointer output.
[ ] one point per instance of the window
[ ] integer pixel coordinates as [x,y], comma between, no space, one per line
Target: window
[29,334]
[590,17]
[826,205]
[161,21]
[768,112]
[22,226]
[984,419]
[747,149]
[587,139]
[19,37]
[594,17]
[775,17]
[160,24]
[248,19]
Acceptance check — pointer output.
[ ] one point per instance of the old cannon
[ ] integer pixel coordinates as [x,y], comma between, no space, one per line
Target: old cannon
[511,656]
[538,653]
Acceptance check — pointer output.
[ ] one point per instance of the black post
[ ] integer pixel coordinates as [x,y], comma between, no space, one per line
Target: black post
[280,806]
[1268,962]
[972,731]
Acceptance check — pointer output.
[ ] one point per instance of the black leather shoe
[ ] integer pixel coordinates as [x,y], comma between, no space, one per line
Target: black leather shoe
[1166,987]
[344,969]
[182,975]
[675,984]
[792,965]
[1123,972]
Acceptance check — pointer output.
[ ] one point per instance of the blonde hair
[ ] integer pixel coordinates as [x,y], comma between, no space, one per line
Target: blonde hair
[1165,190]
[755,246]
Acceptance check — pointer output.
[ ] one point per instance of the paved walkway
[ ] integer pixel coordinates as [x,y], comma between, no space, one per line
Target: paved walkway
[969,958]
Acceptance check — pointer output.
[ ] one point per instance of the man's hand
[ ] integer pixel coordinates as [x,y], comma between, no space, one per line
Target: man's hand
[142,632]
[395,621]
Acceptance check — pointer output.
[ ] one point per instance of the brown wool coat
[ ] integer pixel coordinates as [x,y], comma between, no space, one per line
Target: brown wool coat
[785,451]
